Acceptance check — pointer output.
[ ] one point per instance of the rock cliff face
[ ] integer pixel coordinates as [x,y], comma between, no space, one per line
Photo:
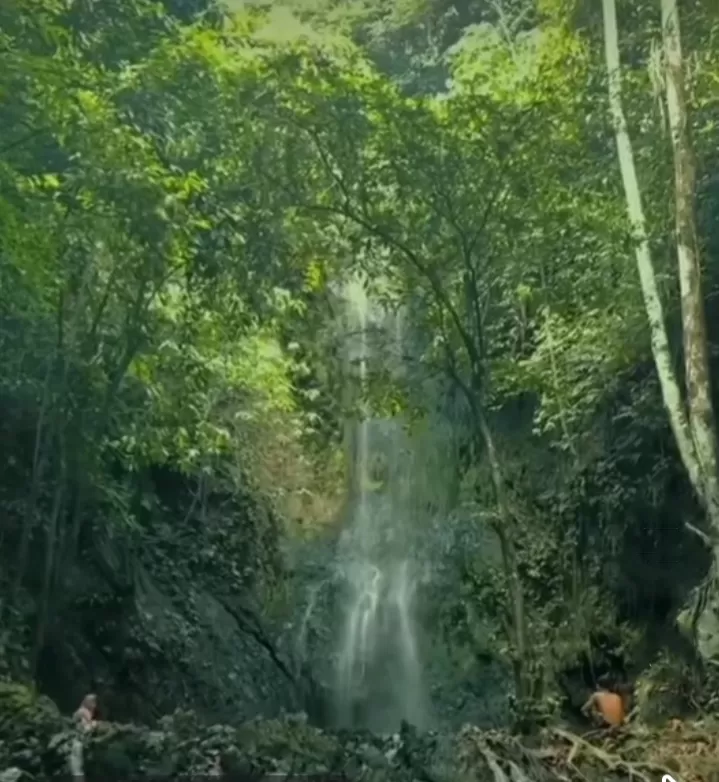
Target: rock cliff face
[167,615]
[200,650]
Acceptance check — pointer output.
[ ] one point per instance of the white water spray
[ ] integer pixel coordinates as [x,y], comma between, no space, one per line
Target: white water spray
[379,674]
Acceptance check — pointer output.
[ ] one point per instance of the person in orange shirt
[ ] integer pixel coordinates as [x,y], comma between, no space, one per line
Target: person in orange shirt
[608,706]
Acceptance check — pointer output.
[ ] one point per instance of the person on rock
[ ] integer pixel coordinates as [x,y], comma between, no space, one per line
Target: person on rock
[84,718]
[609,705]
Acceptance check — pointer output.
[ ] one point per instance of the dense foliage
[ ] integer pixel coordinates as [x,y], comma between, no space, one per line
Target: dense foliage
[181,195]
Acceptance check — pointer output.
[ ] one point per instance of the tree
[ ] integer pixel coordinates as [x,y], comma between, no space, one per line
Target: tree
[698,377]
[691,420]
[145,278]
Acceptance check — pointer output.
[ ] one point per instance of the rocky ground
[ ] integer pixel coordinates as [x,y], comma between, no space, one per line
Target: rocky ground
[35,739]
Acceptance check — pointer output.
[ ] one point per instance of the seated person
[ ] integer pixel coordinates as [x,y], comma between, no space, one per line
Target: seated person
[608,706]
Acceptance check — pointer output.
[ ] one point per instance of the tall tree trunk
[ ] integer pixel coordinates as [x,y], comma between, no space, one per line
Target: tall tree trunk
[504,528]
[696,355]
[692,423]
[44,609]
[705,612]
[671,391]
[44,434]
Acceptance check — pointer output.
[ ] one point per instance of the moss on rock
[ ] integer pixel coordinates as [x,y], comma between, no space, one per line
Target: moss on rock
[664,690]
[28,722]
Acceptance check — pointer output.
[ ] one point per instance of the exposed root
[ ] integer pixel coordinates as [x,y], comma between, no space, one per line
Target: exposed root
[516,773]
[493,763]
[686,751]
[613,762]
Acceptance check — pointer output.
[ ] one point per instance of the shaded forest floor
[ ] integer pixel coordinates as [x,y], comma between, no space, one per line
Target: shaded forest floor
[35,739]
[688,750]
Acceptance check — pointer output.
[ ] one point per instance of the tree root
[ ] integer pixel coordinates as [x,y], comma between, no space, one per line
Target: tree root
[686,751]
[515,772]
[642,771]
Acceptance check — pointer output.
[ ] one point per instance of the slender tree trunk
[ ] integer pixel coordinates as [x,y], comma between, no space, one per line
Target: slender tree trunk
[692,422]
[44,611]
[696,354]
[670,388]
[44,434]
[505,533]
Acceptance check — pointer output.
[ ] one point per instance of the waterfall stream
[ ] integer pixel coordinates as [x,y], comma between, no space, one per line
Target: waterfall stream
[373,629]
[379,672]
[380,593]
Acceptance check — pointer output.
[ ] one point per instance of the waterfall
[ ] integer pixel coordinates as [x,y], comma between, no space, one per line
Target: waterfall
[379,671]
[370,626]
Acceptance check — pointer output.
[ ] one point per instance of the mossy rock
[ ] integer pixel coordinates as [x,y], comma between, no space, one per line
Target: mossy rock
[116,752]
[28,721]
[21,708]
[290,738]
[664,691]
[184,747]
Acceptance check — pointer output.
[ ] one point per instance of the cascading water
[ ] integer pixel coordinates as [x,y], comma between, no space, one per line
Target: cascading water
[379,673]
[369,636]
